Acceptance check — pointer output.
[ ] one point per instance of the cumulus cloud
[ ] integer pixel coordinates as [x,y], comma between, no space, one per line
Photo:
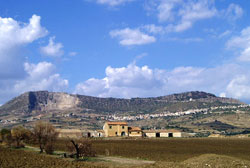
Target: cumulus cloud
[130,37]
[14,36]
[52,49]
[40,76]
[242,44]
[16,74]
[130,81]
[239,87]
[112,2]
[14,33]
[135,81]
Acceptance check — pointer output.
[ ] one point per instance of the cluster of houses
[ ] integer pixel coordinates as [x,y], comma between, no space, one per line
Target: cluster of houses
[119,129]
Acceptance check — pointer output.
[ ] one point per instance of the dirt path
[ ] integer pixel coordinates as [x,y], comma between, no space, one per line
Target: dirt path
[115,159]
[121,160]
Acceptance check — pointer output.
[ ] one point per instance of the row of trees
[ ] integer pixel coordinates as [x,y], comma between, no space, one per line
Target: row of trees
[44,135]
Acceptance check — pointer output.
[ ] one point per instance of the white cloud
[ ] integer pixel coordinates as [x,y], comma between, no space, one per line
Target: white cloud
[52,49]
[112,2]
[14,36]
[14,33]
[225,33]
[194,11]
[239,87]
[40,76]
[233,12]
[152,28]
[186,40]
[129,37]
[130,81]
[165,10]
[72,53]
[180,15]
[183,14]
[242,44]
[16,76]
[134,81]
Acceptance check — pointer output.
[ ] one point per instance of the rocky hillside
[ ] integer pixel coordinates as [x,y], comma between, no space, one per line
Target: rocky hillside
[44,101]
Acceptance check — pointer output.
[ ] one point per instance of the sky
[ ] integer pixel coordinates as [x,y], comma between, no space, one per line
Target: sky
[125,48]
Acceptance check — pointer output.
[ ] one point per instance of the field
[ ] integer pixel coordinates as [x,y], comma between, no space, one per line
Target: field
[195,152]
[10,158]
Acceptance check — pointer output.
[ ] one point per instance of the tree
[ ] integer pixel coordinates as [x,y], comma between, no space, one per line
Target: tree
[6,136]
[45,135]
[3,133]
[19,134]
[81,148]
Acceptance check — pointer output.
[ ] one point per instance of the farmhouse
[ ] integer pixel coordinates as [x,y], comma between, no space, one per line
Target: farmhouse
[162,133]
[100,133]
[134,132]
[91,133]
[112,129]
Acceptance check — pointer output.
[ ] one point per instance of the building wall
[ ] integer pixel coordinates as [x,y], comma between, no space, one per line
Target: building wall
[100,134]
[135,134]
[115,129]
[149,134]
[97,134]
[163,134]
[70,135]
[177,134]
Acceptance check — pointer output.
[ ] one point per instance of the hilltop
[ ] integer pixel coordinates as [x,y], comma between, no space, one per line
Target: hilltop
[44,101]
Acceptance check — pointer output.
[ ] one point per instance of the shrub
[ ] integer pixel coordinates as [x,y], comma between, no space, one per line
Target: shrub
[49,148]
[81,148]
[3,134]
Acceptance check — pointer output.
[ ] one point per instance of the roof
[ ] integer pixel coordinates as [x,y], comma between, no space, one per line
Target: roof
[161,131]
[131,129]
[102,131]
[116,123]
[69,130]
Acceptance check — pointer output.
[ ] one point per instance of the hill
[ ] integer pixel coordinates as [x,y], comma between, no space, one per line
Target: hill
[191,111]
[55,101]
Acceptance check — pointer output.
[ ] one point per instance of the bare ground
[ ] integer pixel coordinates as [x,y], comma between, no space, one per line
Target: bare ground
[126,161]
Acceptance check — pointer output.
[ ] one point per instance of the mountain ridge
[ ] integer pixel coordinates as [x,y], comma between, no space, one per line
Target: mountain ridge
[59,101]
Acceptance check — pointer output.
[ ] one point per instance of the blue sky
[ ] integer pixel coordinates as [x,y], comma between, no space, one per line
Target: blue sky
[125,48]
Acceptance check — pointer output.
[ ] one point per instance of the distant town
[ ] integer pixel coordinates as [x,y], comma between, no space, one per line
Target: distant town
[121,117]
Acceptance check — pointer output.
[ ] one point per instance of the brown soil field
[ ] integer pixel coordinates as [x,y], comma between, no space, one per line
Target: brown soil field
[180,153]
[10,158]
[171,150]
